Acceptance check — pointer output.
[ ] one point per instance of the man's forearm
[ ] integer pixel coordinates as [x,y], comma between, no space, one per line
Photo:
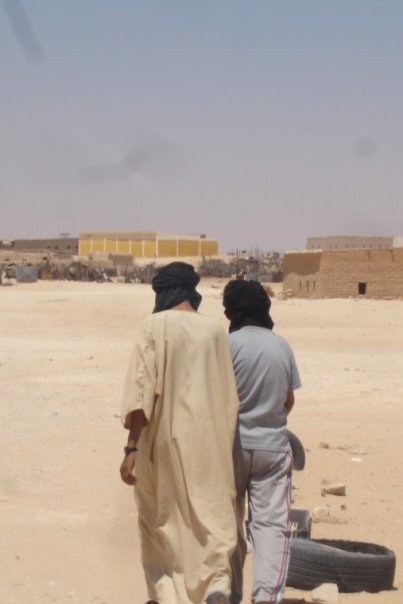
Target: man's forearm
[289,403]
[137,423]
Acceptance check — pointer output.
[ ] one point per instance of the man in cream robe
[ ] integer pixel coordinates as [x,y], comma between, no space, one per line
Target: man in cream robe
[180,405]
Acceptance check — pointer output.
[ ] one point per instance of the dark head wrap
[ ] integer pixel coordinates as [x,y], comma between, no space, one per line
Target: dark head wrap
[247,303]
[174,284]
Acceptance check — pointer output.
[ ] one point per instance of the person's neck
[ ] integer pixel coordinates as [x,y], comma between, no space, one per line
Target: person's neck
[185,305]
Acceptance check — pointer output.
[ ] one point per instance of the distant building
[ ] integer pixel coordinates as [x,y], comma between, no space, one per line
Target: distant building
[374,272]
[66,245]
[352,242]
[146,244]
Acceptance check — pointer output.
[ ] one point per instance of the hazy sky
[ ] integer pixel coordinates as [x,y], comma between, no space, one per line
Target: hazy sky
[257,122]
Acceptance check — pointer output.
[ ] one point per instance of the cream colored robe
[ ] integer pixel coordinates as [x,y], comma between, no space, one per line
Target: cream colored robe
[181,376]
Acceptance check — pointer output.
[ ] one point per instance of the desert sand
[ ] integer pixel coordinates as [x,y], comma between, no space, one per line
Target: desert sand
[68,529]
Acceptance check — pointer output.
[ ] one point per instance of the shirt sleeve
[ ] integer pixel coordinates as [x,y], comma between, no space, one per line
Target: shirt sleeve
[295,378]
[140,386]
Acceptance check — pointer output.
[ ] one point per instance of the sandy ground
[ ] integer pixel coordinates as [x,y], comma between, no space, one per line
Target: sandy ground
[68,525]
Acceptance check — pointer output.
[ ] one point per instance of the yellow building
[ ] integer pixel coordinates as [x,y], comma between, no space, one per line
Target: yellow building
[146,244]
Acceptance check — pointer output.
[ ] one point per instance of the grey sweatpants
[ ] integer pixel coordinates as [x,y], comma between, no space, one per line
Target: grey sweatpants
[265,476]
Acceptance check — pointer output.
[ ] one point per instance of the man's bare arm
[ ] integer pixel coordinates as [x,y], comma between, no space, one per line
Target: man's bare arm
[137,422]
[289,402]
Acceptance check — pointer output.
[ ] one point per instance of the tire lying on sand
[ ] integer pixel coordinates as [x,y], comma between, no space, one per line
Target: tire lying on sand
[352,565]
[298,451]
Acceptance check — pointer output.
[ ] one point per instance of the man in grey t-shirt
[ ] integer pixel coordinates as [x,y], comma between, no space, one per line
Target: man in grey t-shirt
[266,374]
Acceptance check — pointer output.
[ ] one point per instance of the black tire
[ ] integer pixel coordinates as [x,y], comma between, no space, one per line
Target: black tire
[352,565]
[298,451]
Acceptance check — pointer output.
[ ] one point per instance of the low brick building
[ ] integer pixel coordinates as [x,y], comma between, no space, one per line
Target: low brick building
[374,273]
[66,245]
[353,242]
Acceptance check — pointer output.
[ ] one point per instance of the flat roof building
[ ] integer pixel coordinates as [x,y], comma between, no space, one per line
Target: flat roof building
[352,242]
[146,244]
[343,267]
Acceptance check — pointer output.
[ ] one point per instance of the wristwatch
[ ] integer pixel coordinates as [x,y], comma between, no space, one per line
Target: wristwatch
[128,450]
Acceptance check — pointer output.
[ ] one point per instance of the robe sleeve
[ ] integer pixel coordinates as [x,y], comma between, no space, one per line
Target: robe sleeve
[140,386]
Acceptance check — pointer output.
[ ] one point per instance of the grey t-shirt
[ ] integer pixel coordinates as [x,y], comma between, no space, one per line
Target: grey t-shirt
[265,370]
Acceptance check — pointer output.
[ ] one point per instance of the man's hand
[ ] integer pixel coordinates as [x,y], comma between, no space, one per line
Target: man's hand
[127,469]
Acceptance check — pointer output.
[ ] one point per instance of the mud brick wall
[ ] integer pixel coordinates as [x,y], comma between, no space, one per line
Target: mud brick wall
[301,274]
[371,273]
